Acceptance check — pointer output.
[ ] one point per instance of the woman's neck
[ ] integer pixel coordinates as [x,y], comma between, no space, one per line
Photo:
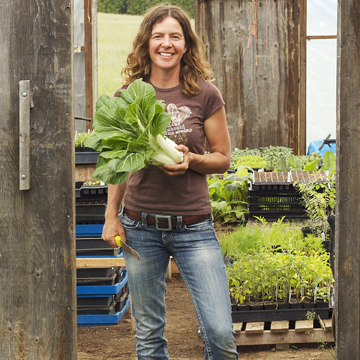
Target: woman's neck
[165,79]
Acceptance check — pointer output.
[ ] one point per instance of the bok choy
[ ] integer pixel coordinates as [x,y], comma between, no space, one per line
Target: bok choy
[129,133]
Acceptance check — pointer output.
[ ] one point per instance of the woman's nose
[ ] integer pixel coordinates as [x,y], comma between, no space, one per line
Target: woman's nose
[166,42]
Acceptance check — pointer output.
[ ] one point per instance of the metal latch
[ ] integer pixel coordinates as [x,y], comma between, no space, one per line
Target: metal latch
[24,134]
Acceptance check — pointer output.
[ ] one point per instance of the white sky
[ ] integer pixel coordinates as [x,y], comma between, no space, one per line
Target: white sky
[321,70]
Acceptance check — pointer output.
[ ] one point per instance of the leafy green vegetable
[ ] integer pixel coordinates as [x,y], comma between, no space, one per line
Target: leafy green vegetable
[129,133]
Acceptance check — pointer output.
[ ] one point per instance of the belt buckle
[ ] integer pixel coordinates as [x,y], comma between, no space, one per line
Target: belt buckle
[168,218]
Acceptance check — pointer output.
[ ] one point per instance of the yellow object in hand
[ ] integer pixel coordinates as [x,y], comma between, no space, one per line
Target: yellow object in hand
[117,240]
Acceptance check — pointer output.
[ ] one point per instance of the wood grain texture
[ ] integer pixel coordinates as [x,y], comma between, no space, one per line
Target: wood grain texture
[256,68]
[37,252]
[347,233]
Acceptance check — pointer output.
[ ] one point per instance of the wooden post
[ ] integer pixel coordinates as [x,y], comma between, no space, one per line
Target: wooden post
[347,247]
[37,225]
[302,95]
[90,59]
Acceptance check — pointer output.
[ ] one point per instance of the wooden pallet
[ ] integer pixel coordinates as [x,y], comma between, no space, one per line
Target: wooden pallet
[283,332]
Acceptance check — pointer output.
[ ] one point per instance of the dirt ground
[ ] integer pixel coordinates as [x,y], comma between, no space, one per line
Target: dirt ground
[117,342]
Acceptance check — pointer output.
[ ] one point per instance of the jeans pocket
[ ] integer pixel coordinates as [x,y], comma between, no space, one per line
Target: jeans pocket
[201,226]
[129,224]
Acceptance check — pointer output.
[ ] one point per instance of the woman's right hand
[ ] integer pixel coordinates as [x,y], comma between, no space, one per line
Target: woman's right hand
[112,228]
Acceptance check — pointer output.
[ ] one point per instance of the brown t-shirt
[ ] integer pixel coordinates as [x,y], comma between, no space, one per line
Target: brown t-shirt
[151,190]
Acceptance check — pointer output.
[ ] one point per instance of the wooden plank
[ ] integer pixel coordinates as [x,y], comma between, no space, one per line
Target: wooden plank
[254,328]
[99,262]
[347,230]
[279,326]
[321,37]
[237,327]
[289,337]
[174,268]
[304,325]
[84,172]
[326,324]
[37,266]
[168,271]
[302,95]
[88,22]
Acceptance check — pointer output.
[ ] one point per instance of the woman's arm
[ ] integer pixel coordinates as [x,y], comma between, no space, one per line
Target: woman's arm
[218,141]
[112,226]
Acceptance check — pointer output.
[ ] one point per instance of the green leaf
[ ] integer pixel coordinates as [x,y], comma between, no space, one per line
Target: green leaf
[130,162]
[93,142]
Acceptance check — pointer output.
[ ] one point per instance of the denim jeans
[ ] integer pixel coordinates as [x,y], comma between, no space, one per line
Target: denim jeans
[197,254]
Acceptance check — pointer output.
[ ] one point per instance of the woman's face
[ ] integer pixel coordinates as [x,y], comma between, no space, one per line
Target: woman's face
[167,45]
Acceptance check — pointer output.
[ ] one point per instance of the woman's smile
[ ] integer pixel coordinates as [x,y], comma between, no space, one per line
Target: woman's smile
[167,45]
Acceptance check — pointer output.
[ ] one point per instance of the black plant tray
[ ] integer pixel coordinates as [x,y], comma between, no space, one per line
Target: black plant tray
[98,252]
[280,314]
[115,306]
[95,302]
[84,243]
[97,311]
[90,212]
[274,203]
[97,272]
[86,158]
[94,246]
[92,193]
[109,280]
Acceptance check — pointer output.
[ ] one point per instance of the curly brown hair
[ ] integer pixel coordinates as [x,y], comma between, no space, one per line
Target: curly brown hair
[193,63]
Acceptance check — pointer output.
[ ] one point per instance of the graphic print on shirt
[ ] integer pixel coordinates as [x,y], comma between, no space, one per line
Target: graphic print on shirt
[176,130]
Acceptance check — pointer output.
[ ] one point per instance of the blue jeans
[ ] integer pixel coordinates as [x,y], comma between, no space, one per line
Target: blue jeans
[197,254]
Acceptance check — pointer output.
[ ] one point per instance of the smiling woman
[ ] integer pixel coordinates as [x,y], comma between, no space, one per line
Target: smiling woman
[166,49]
[167,209]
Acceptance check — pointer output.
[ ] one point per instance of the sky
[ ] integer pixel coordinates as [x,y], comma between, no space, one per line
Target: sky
[321,70]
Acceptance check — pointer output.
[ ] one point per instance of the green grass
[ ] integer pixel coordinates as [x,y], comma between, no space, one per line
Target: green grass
[116,34]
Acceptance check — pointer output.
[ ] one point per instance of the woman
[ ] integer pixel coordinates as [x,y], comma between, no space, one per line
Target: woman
[167,209]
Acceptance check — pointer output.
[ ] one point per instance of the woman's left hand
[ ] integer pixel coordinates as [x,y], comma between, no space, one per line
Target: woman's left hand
[178,169]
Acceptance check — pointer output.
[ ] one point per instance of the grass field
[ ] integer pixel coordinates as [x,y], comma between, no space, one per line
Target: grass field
[115,37]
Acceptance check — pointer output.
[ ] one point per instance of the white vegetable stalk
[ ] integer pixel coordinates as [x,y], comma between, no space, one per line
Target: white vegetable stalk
[166,154]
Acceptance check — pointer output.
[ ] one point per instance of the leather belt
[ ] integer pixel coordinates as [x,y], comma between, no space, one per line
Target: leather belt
[166,222]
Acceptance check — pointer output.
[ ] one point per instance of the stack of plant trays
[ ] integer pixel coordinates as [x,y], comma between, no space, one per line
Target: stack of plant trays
[273,195]
[90,203]
[102,296]
[102,293]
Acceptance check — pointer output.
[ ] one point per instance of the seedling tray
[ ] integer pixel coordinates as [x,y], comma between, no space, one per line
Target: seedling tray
[93,192]
[90,303]
[89,230]
[109,280]
[103,320]
[97,272]
[94,246]
[86,158]
[101,290]
[275,203]
[280,314]
[90,212]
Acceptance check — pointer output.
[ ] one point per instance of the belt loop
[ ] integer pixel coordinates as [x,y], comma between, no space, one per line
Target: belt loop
[143,218]
[179,221]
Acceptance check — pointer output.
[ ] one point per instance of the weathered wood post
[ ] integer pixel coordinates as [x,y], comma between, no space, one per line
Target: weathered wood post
[347,248]
[37,240]
[252,47]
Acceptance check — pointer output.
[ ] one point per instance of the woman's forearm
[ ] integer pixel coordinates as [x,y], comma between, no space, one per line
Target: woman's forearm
[115,196]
